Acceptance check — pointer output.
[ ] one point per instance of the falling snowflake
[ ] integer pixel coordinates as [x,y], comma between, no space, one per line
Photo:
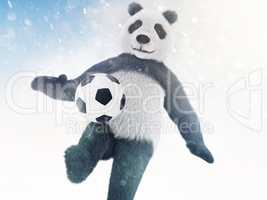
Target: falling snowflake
[10,4]
[59,40]
[27,22]
[84,11]
[51,27]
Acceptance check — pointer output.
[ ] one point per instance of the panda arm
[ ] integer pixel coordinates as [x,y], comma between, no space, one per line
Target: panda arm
[182,114]
[61,88]
[56,87]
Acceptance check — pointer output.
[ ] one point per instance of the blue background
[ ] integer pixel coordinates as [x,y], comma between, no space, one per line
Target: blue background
[29,28]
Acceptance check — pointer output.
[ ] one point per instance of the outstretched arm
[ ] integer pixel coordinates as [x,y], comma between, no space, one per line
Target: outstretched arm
[182,113]
[61,88]
[56,87]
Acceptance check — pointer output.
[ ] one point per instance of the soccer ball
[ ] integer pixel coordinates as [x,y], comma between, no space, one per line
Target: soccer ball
[100,97]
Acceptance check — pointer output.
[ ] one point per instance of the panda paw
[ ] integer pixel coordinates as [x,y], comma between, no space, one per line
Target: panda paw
[41,83]
[76,159]
[201,151]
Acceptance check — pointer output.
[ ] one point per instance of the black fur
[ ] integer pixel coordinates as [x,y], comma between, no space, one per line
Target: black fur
[136,25]
[176,102]
[98,143]
[160,31]
[134,8]
[171,16]
[95,144]
[130,156]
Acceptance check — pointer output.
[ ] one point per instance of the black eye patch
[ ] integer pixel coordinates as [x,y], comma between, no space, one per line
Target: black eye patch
[136,25]
[160,31]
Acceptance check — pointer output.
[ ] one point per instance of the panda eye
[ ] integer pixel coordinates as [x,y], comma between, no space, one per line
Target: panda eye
[160,31]
[136,25]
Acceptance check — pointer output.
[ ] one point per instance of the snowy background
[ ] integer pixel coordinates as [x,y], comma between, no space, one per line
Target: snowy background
[219,54]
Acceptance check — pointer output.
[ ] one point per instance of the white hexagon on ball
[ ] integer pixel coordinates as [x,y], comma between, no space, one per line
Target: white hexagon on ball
[100,97]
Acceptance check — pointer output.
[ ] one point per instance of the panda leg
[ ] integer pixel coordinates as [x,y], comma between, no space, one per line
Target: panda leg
[130,161]
[95,143]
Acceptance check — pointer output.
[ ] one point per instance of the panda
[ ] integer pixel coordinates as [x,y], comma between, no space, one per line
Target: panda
[150,88]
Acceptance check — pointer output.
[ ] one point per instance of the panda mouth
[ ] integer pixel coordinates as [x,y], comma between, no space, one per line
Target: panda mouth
[142,50]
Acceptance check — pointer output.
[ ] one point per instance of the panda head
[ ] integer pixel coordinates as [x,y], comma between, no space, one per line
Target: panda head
[146,33]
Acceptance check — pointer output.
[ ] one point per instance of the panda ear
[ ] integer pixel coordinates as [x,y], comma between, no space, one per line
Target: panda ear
[171,16]
[134,8]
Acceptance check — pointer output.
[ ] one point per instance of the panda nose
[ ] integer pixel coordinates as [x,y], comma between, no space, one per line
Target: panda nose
[143,39]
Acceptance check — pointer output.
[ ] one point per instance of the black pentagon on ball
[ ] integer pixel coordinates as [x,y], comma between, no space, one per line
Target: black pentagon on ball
[81,105]
[87,79]
[113,79]
[103,96]
[103,119]
[123,102]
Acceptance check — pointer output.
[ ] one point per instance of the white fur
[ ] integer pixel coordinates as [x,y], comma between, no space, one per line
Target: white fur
[141,118]
[149,19]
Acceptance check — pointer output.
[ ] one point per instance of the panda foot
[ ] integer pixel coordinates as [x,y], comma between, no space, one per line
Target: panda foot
[201,151]
[77,162]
